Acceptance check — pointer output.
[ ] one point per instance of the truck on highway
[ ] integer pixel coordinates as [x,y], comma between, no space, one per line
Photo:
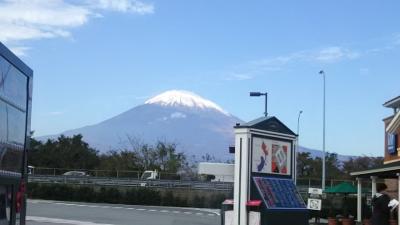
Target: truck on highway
[150,175]
[15,130]
[216,172]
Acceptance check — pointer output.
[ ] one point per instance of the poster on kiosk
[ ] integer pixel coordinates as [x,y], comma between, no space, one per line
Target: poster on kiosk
[265,192]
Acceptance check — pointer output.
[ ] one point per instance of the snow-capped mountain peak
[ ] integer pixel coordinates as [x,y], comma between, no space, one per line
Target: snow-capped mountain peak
[184,98]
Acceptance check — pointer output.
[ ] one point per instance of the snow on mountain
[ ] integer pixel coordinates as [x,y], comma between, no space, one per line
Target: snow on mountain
[198,126]
[184,98]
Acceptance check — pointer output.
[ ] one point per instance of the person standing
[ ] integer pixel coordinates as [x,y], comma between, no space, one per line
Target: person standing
[380,205]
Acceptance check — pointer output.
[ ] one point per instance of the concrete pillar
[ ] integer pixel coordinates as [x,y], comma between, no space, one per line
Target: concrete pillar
[359,198]
[373,179]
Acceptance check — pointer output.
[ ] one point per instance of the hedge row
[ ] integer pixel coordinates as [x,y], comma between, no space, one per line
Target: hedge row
[131,196]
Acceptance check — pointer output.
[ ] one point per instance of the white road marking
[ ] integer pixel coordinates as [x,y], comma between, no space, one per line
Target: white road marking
[62,221]
[208,212]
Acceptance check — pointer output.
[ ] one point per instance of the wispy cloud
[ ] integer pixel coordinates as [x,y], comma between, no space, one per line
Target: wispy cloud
[55,113]
[327,55]
[22,20]
[132,6]
[237,76]
[334,54]
[397,39]
[20,50]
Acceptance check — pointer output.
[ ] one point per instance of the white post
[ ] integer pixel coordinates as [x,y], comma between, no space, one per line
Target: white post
[373,179]
[241,191]
[359,198]
[398,197]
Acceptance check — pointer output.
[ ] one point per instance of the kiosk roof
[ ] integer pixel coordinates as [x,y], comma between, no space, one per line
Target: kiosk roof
[269,123]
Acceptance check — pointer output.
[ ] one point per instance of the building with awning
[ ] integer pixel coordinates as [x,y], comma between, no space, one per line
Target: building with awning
[390,170]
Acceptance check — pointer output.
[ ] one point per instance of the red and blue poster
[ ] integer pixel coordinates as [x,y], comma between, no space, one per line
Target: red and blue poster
[271,156]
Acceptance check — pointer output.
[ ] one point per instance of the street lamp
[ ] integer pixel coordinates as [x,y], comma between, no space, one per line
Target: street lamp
[297,147]
[323,135]
[258,94]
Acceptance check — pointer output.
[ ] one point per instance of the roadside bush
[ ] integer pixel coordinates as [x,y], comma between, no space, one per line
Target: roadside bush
[131,196]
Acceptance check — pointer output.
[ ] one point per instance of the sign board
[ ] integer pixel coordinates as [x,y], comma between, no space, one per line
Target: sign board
[271,156]
[315,191]
[314,204]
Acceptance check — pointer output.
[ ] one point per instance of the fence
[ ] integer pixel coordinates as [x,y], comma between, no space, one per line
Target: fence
[41,171]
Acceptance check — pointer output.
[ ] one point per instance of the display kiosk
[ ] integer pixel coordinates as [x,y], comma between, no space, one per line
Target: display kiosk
[265,170]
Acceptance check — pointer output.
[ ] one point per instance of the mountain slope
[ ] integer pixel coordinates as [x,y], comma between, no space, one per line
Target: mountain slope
[197,125]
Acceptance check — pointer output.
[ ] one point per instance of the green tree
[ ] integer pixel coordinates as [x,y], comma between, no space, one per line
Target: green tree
[65,152]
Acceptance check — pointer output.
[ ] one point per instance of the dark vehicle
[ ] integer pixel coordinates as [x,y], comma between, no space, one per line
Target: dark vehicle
[15,117]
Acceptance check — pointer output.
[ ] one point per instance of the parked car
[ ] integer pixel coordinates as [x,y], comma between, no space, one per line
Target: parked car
[76,174]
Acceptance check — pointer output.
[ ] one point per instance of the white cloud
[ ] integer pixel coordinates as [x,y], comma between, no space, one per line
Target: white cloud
[325,55]
[22,20]
[334,54]
[37,19]
[132,6]
[238,76]
[20,50]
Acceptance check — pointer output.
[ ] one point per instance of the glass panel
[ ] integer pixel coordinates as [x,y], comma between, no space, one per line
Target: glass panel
[12,83]
[16,126]
[15,87]
[11,160]
[3,122]
[4,68]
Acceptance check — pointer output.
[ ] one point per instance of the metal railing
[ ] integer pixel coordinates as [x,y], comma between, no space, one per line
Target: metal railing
[133,178]
[126,174]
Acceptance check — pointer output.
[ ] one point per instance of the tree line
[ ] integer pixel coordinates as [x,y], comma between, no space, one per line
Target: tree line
[310,167]
[74,153]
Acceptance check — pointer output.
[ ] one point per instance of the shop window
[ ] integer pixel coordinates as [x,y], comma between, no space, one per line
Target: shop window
[391,143]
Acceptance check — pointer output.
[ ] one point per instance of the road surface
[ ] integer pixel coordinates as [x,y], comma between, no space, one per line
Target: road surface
[67,213]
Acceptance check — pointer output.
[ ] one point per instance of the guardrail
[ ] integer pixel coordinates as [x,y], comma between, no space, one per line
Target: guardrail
[303,184]
[126,182]
[132,174]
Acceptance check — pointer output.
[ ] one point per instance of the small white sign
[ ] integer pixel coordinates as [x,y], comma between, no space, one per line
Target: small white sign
[315,191]
[314,204]
[229,217]
[254,218]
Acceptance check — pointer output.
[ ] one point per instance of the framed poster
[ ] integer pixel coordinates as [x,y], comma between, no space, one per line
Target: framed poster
[271,156]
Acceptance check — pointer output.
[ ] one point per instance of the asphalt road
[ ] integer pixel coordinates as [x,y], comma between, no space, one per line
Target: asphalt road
[67,213]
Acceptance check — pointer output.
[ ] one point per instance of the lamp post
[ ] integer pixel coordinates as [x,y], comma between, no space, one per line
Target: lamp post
[297,147]
[257,94]
[323,135]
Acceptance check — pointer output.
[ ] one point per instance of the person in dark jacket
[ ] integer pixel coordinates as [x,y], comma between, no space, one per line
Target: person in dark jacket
[380,205]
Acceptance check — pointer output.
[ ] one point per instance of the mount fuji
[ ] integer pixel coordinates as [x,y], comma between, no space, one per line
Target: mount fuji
[198,126]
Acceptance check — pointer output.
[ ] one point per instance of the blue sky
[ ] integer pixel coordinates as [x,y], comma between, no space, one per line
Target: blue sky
[94,59]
